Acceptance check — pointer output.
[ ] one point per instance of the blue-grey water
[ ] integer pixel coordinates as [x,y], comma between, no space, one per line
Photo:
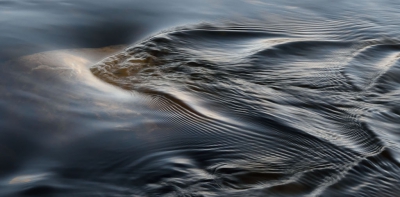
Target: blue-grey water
[199,98]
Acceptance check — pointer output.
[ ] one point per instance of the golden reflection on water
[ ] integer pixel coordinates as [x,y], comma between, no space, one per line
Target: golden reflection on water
[69,65]
[27,179]
[62,90]
[111,106]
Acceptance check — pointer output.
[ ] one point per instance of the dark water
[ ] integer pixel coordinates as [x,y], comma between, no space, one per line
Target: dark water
[204,98]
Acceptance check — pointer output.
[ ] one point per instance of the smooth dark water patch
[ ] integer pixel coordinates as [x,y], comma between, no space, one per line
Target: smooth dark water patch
[277,99]
[36,26]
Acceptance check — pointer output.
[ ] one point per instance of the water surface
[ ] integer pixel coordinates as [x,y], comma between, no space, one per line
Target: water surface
[200,98]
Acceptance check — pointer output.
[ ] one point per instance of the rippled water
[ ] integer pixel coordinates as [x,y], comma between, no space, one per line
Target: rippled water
[274,99]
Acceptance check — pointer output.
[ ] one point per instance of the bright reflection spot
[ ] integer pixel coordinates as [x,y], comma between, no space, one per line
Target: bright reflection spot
[71,66]
[27,178]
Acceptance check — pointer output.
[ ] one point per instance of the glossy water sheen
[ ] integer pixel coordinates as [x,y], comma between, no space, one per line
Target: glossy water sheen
[214,98]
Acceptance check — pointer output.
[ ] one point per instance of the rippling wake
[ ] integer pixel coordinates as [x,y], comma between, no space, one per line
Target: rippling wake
[261,111]
[281,107]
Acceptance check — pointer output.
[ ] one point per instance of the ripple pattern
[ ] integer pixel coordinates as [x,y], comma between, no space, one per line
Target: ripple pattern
[276,110]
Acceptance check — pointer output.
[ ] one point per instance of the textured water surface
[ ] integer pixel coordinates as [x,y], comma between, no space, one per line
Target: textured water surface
[299,100]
